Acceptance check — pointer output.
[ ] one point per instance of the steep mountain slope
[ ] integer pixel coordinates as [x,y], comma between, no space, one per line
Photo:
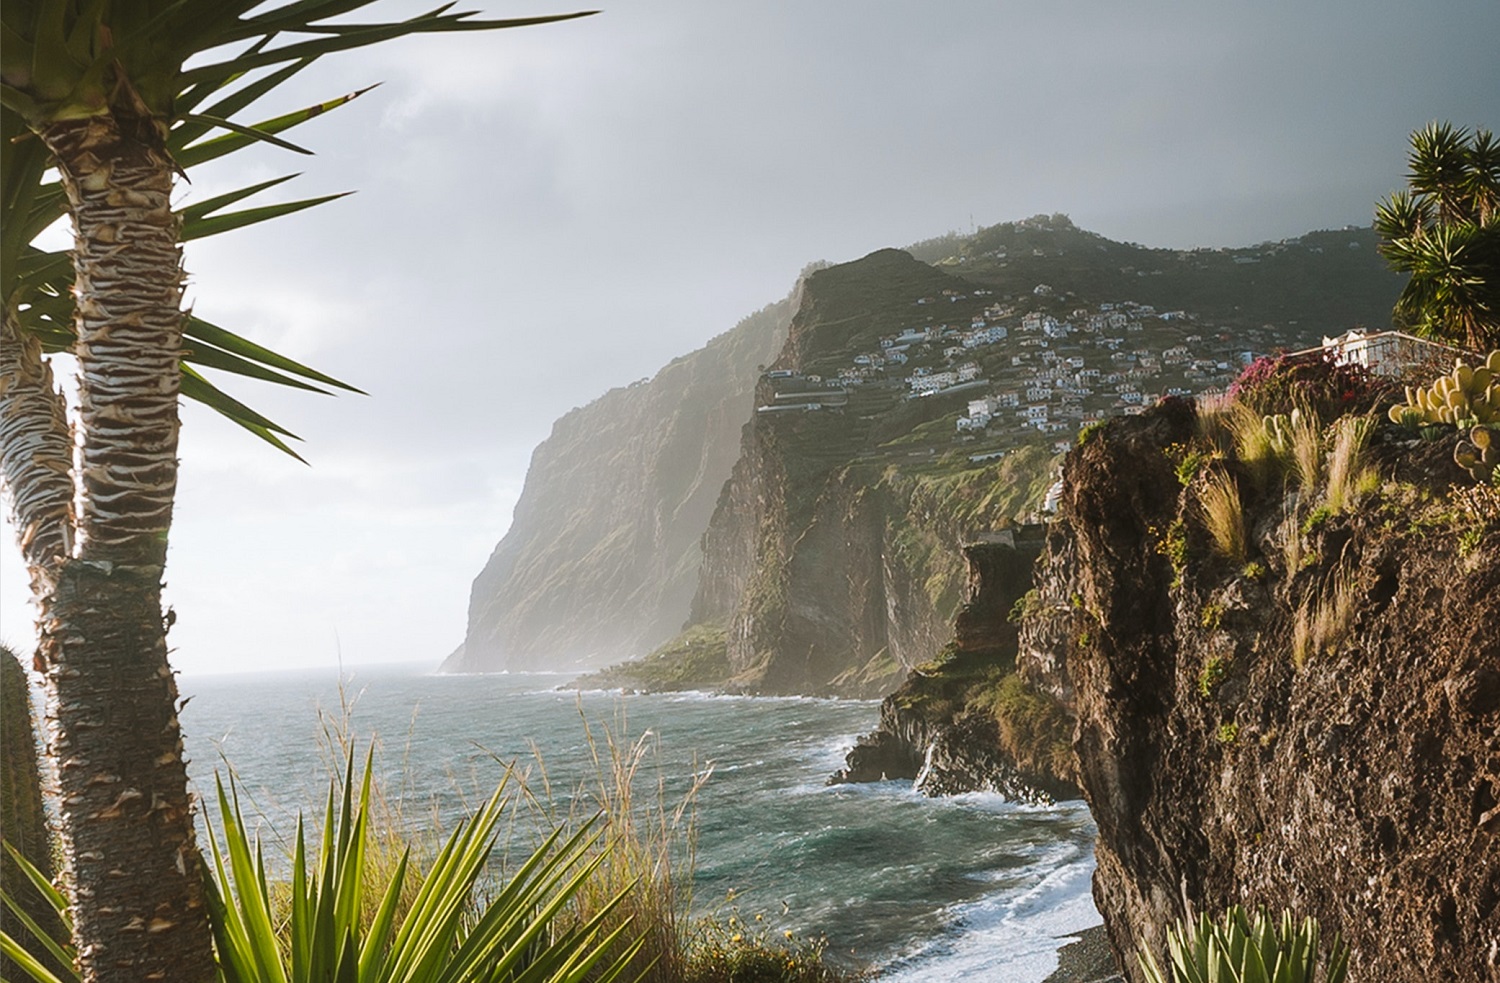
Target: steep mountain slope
[833,557]
[833,554]
[601,560]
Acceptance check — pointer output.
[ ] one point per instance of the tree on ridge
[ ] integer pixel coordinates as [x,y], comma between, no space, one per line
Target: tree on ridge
[1444,230]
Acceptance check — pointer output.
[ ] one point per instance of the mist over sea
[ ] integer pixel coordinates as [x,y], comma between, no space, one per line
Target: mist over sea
[970,887]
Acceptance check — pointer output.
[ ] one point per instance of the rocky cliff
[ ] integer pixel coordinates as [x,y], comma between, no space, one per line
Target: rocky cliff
[833,553]
[1308,717]
[601,559]
[829,559]
[964,721]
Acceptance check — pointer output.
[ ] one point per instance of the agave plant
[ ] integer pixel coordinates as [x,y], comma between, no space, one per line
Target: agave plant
[316,924]
[1239,949]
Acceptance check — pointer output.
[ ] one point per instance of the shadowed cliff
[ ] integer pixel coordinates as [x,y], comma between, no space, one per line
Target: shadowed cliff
[1313,723]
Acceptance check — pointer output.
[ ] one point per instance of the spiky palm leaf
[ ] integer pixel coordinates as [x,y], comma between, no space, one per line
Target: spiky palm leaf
[57,63]
[442,935]
[1445,232]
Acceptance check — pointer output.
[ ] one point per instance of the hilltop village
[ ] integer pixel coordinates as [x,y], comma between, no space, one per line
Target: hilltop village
[1046,371]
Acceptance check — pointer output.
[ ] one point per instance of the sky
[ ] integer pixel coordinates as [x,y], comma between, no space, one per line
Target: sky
[545,213]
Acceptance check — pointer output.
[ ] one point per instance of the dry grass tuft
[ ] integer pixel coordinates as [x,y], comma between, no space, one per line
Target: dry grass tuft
[1349,476]
[1224,514]
[1306,449]
[1293,551]
[1322,623]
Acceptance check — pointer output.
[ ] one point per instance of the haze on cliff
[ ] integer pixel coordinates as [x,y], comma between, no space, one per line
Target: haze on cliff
[547,213]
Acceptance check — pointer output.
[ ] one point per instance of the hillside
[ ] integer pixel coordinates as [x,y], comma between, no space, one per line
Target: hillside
[914,406]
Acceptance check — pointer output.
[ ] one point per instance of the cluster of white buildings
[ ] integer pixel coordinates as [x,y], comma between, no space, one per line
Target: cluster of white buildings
[1057,390]
[895,349]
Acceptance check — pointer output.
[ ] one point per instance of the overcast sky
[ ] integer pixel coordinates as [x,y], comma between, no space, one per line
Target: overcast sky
[549,212]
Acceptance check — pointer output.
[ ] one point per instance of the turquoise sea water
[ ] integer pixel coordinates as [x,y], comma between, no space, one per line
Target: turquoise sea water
[966,888]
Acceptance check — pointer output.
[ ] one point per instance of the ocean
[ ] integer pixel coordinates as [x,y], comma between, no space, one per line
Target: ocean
[964,888]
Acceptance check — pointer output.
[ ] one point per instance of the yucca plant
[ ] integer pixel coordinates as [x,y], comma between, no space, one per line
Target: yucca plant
[1242,949]
[314,925]
[319,931]
[1444,230]
[117,98]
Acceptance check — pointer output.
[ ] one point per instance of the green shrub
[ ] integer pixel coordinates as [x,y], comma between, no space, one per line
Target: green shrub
[1212,674]
[1239,949]
[1027,604]
[1088,430]
[728,949]
[1034,728]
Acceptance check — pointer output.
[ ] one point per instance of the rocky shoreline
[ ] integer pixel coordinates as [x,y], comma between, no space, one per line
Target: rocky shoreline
[1087,959]
[964,721]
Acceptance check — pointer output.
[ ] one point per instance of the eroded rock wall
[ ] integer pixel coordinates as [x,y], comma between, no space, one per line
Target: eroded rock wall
[1227,761]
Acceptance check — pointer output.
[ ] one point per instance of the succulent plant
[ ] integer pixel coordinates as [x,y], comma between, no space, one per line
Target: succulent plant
[1480,455]
[1467,395]
[1243,949]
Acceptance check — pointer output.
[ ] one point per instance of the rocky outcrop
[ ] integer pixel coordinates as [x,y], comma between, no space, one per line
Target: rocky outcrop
[1315,724]
[601,560]
[944,728]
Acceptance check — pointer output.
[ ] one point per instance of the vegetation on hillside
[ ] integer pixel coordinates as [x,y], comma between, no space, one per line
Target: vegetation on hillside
[697,659]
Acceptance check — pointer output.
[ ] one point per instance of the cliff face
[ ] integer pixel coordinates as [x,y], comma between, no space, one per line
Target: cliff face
[963,722]
[1314,725]
[836,570]
[601,560]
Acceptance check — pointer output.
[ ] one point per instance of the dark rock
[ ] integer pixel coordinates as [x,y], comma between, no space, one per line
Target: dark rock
[929,730]
[1359,788]
[878,757]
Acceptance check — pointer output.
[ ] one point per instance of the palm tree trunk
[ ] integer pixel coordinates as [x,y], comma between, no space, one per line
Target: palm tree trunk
[126,816]
[36,453]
